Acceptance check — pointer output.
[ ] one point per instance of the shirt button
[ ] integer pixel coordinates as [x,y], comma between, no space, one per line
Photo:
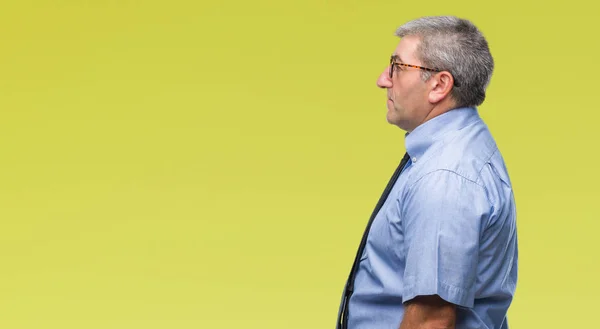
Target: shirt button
[414,159]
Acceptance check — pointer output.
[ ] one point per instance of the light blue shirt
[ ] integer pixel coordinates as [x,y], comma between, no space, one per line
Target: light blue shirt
[448,227]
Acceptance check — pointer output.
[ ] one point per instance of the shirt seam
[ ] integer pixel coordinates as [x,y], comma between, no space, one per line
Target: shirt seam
[486,162]
[485,190]
[448,170]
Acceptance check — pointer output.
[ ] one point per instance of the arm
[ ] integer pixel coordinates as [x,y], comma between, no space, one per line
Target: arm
[428,312]
[442,216]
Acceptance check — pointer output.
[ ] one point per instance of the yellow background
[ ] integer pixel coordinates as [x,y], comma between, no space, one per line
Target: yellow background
[193,164]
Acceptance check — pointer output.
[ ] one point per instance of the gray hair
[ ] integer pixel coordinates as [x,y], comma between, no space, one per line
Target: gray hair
[455,45]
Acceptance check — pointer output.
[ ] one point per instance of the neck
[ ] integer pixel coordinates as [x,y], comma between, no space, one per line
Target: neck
[439,109]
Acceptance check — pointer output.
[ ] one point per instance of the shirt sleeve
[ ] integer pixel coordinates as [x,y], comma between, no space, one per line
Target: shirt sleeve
[442,214]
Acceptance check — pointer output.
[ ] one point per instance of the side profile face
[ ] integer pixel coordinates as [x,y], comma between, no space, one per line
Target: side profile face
[407,94]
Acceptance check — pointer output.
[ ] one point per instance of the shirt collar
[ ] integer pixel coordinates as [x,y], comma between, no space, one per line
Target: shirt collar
[425,135]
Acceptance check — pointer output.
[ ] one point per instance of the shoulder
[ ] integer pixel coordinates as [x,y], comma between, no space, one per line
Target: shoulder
[470,153]
[443,189]
[464,170]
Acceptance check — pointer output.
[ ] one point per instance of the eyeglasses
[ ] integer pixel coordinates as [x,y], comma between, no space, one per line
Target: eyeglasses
[394,64]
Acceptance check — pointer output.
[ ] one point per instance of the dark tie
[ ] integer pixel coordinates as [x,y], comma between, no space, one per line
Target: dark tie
[342,322]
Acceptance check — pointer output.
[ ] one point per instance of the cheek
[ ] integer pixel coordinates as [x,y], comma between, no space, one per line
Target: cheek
[409,92]
[402,95]
[399,93]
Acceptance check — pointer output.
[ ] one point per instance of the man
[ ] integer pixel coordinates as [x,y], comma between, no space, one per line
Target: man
[440,250]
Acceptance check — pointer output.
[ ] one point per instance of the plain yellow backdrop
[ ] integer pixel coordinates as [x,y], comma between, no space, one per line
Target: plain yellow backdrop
[195,164]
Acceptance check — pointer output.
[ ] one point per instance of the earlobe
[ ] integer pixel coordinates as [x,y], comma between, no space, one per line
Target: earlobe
[435,96]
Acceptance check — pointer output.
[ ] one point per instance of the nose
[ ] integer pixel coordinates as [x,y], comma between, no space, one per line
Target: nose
[384,80]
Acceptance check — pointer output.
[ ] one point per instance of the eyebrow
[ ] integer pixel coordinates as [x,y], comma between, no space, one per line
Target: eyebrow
[397,57]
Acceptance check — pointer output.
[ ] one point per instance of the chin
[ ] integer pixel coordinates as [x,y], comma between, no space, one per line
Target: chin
[391,117]
[398,122]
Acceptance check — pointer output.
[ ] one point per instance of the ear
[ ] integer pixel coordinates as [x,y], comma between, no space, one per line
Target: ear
[440,86]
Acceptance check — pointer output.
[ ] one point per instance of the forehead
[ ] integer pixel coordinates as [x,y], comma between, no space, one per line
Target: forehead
[407,49]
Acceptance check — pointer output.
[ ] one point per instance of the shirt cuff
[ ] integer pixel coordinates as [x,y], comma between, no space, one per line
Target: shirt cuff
[451,294]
